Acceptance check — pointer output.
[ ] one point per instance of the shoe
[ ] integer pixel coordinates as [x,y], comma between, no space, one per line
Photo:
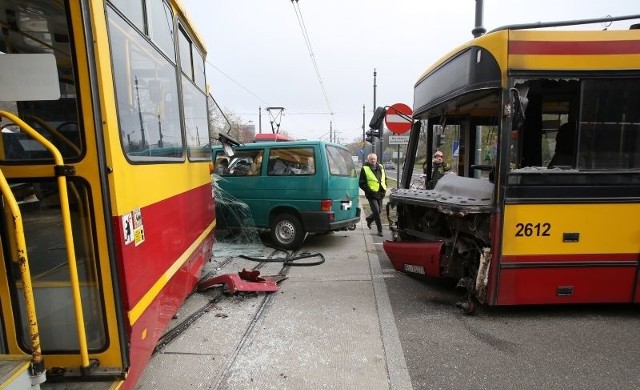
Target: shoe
[380,234]
[369,222]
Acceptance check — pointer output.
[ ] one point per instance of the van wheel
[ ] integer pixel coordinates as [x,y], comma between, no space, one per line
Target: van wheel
[287,232]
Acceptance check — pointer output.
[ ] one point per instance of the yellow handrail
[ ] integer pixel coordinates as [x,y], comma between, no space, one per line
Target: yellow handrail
[37,365]
[68,235]
[55,133]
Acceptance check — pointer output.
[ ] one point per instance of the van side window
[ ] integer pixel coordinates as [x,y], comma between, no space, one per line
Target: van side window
[291,161]
[243,163]
[340,162]
[221,164]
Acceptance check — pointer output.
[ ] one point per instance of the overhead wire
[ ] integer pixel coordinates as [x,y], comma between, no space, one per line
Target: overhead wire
[237,83]
[307,40]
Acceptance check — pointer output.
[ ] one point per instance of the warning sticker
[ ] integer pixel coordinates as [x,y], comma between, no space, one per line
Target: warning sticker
[139,235]
[137,218]
[127,228]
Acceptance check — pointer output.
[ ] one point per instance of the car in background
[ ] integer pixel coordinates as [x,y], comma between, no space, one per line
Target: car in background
[389,165]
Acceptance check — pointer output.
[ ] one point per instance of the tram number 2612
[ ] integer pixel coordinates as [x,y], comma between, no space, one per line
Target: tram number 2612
[533,229]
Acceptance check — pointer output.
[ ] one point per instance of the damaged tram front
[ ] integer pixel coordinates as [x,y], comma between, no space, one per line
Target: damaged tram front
[542,201]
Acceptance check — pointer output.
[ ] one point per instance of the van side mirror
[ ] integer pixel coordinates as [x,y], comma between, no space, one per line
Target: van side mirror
[228,142]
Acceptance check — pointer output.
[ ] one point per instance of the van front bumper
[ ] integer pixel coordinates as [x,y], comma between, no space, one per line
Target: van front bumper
[320,221]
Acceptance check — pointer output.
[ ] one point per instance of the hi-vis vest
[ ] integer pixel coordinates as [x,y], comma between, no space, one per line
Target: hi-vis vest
[372,180]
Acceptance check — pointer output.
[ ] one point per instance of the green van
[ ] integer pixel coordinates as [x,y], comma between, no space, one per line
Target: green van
[292,188]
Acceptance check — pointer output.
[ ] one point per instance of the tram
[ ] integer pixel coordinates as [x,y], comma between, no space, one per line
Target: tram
[108,211]
[541,129]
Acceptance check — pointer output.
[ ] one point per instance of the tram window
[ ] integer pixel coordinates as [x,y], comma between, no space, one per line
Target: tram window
[133,10]
[147,92]
[39,103]
[551,104]
[196,122]
[191,60]
[161,26]
[198,70]
[184,45]
[49,266]
[610,125]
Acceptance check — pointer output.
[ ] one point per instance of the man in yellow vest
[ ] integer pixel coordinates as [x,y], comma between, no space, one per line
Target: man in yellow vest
[373,181]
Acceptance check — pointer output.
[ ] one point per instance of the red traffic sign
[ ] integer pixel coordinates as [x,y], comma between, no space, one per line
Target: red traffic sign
[398,118]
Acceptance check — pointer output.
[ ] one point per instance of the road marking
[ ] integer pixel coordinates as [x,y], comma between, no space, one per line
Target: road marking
[396,364]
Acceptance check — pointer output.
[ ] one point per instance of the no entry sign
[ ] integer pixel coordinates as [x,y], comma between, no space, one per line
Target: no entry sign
[398,118]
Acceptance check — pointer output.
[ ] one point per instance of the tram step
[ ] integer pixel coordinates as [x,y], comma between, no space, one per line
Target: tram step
[14,372]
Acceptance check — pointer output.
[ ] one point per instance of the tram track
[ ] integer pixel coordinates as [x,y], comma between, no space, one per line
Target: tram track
[277,255]
[255,320]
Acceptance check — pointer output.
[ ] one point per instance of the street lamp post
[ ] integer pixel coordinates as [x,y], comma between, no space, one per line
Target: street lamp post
[373,144]
[363,144]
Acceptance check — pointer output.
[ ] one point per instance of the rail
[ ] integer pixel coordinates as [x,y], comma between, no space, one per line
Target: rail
[37,364]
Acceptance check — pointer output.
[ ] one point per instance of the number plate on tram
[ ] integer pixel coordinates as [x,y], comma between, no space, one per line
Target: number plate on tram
[416,269]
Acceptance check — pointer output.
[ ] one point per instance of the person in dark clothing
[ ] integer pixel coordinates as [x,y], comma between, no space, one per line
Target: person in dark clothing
[440,167]
[564,155]
[373,181]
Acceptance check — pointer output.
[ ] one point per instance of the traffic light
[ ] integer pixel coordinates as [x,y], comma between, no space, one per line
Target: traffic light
[369,137]
[371,134]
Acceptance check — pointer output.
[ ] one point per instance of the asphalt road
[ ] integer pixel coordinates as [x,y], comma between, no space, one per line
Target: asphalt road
[525,347]
[359,312]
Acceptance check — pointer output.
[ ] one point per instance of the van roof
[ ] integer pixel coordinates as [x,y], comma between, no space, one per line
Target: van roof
[281,144]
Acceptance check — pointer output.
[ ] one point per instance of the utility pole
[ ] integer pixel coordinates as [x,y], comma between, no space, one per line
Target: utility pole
[331,131]
[362,146]
[260,119]
[373,144]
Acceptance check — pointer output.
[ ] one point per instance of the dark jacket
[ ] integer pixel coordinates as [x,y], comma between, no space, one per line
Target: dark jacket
[379,172]
[438,171]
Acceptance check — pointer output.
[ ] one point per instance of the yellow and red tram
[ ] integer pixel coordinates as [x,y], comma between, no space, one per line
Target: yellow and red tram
[108,208]
[542,131]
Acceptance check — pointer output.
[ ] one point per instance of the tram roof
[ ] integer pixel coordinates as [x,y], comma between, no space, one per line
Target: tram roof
[180,9]
[553,43]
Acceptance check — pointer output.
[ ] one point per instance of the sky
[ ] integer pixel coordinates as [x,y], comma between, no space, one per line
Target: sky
[258,56]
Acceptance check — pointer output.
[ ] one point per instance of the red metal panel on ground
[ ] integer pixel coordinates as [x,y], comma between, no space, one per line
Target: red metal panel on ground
[416,257]
[551,285]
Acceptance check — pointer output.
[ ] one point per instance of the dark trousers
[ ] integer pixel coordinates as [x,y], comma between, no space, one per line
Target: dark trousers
[376,207]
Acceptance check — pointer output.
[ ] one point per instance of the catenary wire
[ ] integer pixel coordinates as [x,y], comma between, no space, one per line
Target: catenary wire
[305,34]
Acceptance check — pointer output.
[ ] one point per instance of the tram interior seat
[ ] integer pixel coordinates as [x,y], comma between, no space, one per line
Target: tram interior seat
[12,147]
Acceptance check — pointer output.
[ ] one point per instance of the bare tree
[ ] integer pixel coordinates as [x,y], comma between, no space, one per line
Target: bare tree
[222,120]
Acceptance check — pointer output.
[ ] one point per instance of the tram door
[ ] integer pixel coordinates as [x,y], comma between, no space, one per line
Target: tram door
[35,34]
